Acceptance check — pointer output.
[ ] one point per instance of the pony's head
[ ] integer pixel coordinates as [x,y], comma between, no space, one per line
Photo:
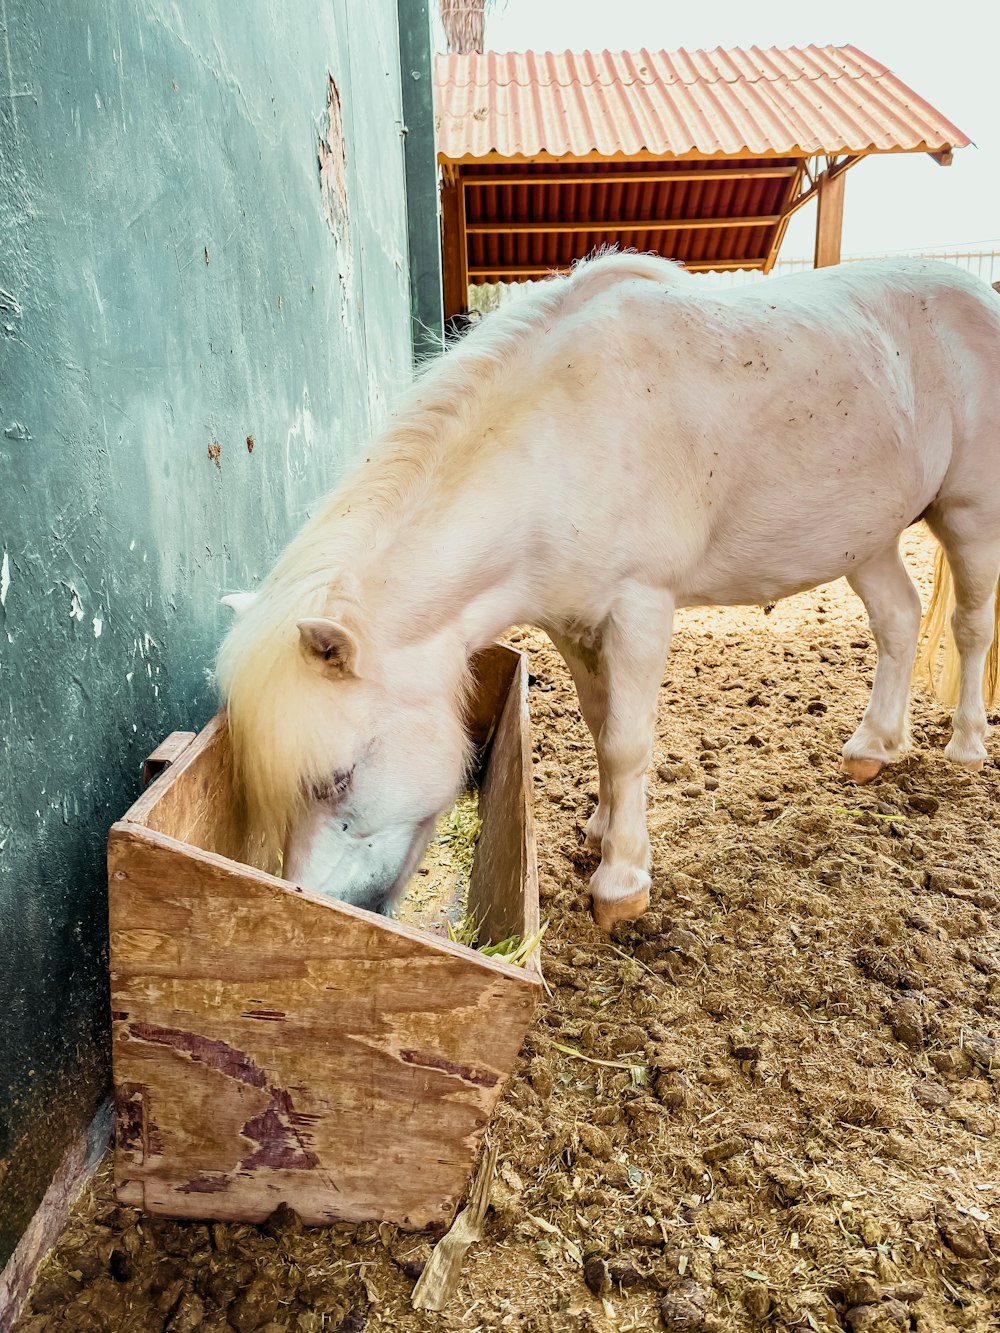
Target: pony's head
[344,753]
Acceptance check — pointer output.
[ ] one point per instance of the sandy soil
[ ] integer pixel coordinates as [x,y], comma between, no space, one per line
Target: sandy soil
[770,1104]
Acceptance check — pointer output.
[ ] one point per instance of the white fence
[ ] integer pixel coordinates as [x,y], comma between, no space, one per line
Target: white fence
[981,260]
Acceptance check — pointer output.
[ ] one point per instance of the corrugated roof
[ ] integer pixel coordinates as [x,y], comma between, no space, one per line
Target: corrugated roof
[761,102]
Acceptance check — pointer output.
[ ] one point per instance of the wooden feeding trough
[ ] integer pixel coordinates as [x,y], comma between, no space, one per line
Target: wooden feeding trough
[274,1046]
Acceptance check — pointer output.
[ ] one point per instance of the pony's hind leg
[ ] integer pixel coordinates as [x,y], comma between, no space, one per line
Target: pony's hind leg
[893,608]
[974,567]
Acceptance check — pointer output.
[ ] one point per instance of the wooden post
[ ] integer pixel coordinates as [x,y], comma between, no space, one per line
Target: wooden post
[463,245]
[829,219]
[453,244]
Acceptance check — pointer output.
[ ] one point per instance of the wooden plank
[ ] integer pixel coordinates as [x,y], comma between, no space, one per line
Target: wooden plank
[493,674]
[272,1046]
[564,175]
[194,800]
[829,219]
[77,1165]
[165,754]
[620,225]
[503,890]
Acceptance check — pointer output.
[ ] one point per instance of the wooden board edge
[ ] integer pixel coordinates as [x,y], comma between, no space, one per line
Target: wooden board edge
[166,753]
[124,832]
[78,1164]
[532,904]
[141,809]
[494,666]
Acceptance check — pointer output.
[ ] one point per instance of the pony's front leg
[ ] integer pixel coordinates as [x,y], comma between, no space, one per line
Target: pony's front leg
[585,660]
[634,648]
[893,608]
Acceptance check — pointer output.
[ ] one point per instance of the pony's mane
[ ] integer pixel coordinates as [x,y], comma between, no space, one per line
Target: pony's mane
[274,701]
[437,412]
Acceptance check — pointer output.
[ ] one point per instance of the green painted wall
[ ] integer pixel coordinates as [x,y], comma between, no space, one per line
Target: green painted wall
[176,280]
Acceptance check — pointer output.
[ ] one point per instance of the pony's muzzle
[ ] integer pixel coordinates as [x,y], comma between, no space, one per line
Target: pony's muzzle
[327,856]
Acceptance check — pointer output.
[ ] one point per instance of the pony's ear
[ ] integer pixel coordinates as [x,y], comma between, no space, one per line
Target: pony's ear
[330,644]
[238,601]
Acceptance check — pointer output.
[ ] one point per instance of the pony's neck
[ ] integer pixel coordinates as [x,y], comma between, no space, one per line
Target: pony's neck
[447,569]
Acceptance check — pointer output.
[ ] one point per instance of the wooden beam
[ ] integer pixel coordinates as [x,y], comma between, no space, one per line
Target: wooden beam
[516,272]
[944,158]
[723,265]
[631,177]
[619,225]
[794,187]
[522,272]
[829,219]
[455,296]
[463,248]
[837,169]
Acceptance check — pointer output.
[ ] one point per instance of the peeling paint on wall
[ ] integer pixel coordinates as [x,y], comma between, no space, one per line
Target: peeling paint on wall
[333,163]
[4,578]
[332,156]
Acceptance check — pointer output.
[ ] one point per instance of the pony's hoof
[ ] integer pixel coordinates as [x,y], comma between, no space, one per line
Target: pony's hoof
[608,914]
[968,754]
[861,770]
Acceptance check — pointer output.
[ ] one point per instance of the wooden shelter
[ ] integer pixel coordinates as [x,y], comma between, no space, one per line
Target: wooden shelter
[702,156]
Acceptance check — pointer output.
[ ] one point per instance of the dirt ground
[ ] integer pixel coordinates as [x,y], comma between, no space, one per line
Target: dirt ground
[770,1104]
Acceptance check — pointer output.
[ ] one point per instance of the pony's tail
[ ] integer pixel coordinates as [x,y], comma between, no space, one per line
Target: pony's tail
[937,665]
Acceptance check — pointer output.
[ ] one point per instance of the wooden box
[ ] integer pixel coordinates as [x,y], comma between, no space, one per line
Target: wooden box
[274,1046]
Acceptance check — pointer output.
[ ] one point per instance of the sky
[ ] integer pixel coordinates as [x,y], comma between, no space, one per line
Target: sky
[948,55]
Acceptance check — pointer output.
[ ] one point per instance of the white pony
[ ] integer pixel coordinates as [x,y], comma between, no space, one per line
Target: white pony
[610,446]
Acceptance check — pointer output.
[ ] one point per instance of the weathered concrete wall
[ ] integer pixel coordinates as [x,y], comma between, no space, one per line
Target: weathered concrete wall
[204,301]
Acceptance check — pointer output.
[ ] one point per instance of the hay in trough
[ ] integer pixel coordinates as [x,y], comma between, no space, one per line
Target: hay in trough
[436,899]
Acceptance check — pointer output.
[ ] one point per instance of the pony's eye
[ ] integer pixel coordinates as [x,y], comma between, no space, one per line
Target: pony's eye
[334,788]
